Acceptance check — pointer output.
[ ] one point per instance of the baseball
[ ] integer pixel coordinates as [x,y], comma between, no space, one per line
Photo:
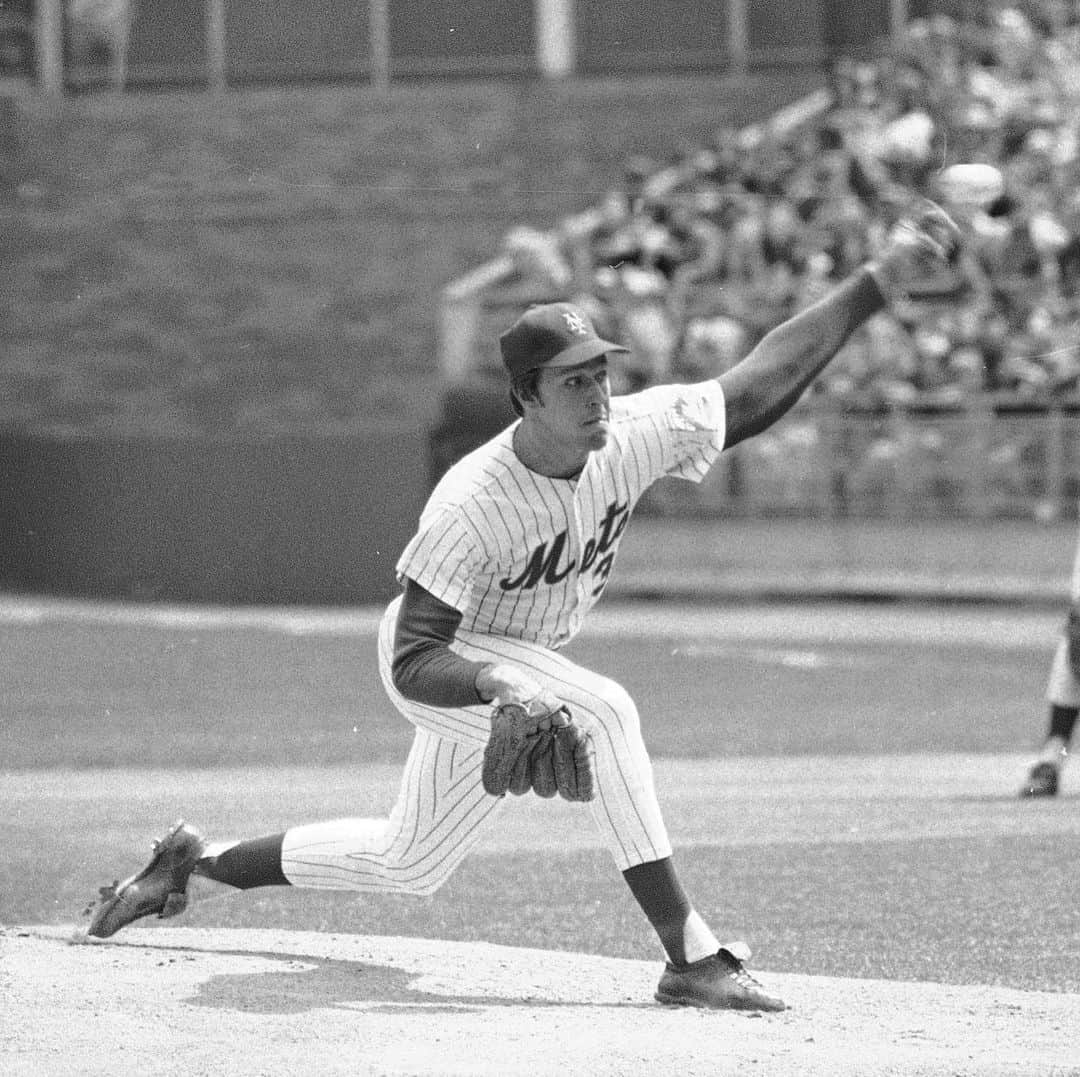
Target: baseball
[971,184]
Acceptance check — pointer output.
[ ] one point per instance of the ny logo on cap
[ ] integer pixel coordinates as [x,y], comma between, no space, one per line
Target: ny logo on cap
[575,323]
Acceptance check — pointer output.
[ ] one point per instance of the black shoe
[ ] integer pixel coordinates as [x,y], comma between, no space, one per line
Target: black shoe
[1042,781]
[719,982]
[159,889]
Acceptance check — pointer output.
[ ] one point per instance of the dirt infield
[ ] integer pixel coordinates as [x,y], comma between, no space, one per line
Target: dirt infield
[246,1002]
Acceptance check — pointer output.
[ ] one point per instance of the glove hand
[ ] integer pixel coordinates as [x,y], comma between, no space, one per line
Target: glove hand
[537,745]
[925,240]
[501,683]
[516,730]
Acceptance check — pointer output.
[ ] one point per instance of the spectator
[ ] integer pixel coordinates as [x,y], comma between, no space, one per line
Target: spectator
[538,257]
[710,345]
[751,226]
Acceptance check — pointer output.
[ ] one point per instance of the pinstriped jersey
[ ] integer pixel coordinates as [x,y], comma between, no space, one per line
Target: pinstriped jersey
[523,555]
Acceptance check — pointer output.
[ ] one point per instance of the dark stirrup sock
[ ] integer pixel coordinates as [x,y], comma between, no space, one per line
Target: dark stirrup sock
[1062,721]
[247,864]
[663,900]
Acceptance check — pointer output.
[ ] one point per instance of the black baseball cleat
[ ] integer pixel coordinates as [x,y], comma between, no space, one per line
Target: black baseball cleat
[160,888]
[1042,781]
[718,982]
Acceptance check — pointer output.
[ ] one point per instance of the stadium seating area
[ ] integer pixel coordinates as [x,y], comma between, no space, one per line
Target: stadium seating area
[693,259]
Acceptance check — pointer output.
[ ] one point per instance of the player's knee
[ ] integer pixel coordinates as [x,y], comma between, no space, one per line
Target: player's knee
[425,888]
[403,882]
[615,710]
[419,875]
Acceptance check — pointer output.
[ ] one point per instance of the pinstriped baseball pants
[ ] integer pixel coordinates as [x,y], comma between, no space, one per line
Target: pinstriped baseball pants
[442,811]
[1062,688]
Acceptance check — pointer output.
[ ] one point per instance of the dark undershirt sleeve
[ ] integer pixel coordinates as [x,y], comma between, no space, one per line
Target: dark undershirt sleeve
[424,668]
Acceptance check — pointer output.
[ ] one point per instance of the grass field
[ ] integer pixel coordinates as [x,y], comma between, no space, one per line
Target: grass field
[839,780]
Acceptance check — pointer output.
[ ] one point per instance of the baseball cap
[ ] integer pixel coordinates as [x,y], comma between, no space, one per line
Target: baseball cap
[552,335]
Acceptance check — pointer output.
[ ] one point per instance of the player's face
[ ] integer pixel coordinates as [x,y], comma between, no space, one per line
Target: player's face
[574,411]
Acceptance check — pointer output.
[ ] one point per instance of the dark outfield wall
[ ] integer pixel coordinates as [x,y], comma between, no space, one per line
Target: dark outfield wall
[317,519]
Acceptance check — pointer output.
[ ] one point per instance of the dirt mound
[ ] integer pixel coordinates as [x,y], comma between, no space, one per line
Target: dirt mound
[189,1001]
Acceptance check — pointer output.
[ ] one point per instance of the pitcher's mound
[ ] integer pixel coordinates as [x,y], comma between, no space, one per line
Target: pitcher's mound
[187,1001]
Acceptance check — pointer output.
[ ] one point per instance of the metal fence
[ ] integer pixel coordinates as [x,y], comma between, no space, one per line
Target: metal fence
[979,464]
[65,44]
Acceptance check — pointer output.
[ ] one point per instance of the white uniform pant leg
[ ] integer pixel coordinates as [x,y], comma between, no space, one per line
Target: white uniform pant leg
[440,814]
[625,810]
[1062,689]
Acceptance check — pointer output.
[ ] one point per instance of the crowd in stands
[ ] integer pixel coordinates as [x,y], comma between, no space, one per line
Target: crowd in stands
[692,260]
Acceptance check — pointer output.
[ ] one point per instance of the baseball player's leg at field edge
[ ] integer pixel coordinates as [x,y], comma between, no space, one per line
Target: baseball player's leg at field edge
[1063,699]
[1062,722]
[1044,777]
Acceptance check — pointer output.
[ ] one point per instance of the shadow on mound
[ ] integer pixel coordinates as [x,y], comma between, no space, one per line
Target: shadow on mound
[305,983]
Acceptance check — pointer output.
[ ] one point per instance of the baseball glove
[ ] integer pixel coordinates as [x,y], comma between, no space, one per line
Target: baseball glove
[538,746]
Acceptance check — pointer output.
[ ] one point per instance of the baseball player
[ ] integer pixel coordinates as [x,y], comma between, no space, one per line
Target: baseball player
[514,547]
[1063,698]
